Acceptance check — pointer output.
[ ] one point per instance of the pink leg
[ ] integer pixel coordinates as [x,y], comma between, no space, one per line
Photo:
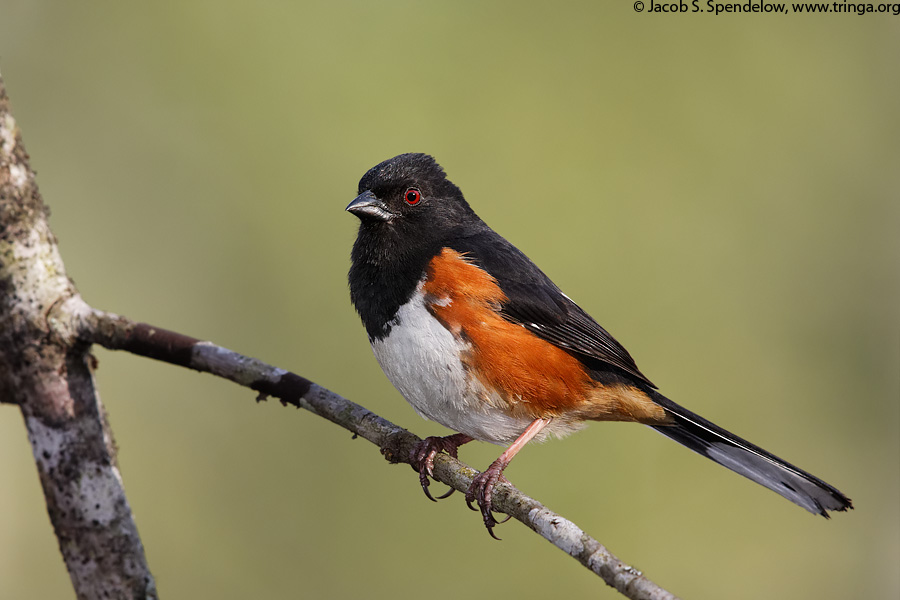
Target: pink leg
[423,453]
[482,486]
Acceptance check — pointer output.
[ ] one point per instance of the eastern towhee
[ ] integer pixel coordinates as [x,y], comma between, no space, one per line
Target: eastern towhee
[477,338]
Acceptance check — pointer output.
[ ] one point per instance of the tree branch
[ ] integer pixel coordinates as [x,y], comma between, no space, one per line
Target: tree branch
[46,370]
[118,333]
[46,330]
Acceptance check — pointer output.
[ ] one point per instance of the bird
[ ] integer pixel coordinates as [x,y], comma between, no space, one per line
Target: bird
[477,338]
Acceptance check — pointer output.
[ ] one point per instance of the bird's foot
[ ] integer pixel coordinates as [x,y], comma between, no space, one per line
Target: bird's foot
[481,491]
[423,453]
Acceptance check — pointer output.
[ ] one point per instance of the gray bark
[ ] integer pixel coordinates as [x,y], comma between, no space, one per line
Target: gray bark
[46,370]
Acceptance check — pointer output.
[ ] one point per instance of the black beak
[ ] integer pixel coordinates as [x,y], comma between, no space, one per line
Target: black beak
[366,205]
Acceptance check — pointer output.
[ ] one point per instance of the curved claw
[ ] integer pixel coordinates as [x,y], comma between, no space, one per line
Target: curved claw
[423,480]
[481,492]
[422,458]
[490,528]
[446,494]
[490,522]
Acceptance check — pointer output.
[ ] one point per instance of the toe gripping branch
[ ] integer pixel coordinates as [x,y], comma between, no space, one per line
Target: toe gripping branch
[482,488]
[422,458]
[481,491]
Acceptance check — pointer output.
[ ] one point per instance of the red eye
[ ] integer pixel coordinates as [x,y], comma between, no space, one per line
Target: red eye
[412,196]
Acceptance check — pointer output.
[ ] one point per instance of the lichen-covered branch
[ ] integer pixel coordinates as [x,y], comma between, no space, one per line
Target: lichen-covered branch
[45,370]
[118,333]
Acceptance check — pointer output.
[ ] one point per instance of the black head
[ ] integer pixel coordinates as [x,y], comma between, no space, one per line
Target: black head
[410,192]
[408,211]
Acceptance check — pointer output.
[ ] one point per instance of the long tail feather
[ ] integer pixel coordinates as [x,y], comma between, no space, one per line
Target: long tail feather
[749,460]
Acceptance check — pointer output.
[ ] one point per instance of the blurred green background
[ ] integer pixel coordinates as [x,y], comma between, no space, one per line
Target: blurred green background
[720,192]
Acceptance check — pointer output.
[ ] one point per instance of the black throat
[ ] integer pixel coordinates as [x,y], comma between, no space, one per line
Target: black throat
[387,264]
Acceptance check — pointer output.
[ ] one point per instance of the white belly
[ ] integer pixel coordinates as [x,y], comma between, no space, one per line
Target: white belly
[421,358]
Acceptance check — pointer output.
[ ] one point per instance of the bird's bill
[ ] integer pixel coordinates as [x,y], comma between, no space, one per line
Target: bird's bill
[366,205]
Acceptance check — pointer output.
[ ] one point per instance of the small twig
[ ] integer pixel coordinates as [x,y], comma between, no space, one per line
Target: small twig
[118,333]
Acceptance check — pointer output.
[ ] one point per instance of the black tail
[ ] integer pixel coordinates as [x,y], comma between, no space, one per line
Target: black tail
[749,460]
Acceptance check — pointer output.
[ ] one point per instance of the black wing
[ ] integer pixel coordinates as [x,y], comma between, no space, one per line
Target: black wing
[535,302]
